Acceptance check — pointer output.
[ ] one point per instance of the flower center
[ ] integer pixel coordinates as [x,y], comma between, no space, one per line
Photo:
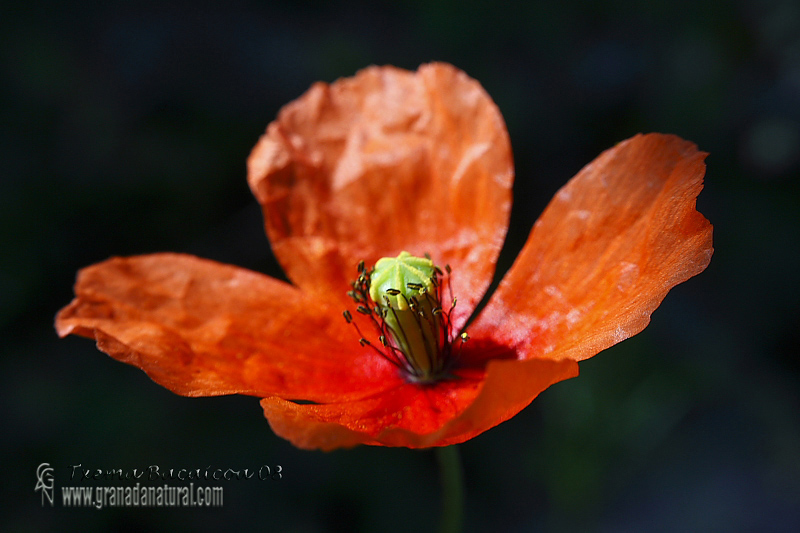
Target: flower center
[402,297]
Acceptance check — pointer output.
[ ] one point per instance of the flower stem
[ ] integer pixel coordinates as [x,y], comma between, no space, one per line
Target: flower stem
[452,489]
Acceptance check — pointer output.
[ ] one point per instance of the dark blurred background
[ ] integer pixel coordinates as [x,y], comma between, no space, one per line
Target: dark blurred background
[125,128]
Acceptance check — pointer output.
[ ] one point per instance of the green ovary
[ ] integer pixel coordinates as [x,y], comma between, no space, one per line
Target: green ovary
[404,289]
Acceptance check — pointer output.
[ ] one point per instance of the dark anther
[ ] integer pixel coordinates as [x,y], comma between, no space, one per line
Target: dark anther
[347,316]
[364,342]
[361,267]
[363,310]
[392,292]
[414,286]
[355,296]
[448,269]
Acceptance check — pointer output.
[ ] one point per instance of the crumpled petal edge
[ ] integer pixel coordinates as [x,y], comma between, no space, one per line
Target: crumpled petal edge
[509,387]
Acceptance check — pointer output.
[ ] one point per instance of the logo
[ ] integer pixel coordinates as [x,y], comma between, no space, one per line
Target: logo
[44,482]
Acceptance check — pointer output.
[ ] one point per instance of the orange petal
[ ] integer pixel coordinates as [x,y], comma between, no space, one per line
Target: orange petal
[386,161]
[418,416]
[201,328]
[605,252]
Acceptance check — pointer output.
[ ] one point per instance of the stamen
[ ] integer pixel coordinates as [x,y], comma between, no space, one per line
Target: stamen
[402,298]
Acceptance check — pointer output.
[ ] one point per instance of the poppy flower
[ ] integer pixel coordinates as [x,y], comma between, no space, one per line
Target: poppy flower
[409,166]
